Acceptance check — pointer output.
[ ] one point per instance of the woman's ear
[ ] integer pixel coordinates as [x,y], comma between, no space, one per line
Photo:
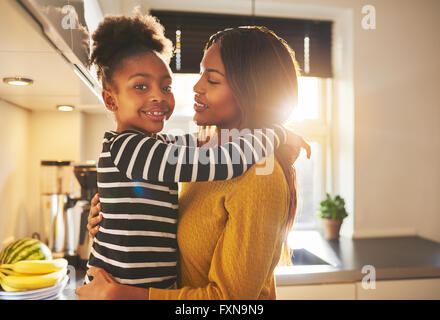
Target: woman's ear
[109,101]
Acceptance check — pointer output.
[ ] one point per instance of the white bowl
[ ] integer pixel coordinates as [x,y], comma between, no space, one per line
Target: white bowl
[38,294]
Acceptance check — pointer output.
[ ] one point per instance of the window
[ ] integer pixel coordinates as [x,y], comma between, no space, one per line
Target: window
[309,119]
[183,84]
[310,39]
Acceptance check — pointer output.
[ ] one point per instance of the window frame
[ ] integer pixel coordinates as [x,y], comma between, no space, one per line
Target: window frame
[318,131]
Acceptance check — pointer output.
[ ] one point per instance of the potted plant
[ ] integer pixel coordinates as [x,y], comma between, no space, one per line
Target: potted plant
[332,212]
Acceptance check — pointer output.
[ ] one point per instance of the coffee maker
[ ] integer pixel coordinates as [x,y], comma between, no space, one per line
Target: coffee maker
[57,190]
[65,209]
[86,175]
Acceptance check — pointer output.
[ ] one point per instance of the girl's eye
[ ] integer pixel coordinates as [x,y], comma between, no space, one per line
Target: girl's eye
[213,82]
[167,88]
[140,87]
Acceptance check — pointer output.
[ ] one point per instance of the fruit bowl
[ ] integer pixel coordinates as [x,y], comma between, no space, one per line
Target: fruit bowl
[48,293]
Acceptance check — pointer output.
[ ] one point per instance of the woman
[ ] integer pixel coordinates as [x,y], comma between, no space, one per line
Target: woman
[248,80]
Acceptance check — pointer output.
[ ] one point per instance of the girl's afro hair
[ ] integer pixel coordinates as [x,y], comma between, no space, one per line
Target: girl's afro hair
[118,37]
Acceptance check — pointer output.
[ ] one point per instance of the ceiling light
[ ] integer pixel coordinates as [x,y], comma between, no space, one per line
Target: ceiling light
[65,107]
[18,81]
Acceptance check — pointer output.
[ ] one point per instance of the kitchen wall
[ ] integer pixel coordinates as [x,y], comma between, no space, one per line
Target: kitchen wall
[14,128]
[396,117]
[52,136]
[94,127]
[27,137]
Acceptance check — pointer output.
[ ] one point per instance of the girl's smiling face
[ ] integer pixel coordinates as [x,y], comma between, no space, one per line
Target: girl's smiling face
[214,101]
[140,94]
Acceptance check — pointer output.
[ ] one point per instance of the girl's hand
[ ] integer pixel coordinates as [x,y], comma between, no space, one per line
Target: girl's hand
[297,142]
[104,287]
[94,219]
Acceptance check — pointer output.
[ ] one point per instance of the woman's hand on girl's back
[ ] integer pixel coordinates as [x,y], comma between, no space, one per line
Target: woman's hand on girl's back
[94,216]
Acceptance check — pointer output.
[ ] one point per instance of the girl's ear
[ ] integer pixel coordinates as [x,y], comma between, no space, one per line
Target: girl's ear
[109,101]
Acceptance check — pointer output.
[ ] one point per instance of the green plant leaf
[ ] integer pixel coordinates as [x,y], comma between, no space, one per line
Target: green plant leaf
[332,208]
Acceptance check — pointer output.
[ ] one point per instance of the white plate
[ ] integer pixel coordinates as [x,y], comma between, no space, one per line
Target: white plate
[38,294]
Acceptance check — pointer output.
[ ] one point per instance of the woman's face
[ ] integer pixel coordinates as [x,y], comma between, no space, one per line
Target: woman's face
[214,101]
[141,98]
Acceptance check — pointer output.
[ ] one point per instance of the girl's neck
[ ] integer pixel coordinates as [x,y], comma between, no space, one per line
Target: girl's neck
[121,127]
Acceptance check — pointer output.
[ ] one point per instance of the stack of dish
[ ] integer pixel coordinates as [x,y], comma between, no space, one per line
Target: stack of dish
[49,293]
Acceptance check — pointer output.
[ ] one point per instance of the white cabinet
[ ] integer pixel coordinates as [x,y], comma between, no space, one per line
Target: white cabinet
[409,289]
[337,291]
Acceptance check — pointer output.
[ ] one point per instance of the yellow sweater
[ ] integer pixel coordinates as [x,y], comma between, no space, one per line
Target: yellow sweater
[230,237]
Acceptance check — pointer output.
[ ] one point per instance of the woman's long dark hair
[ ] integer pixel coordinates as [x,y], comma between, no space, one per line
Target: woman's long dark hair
[261,71]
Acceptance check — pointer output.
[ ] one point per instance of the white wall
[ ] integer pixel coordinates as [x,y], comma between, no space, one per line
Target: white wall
[94,127]
[26,138]
[397,115]
[52,136]
[14,126]
[397,122]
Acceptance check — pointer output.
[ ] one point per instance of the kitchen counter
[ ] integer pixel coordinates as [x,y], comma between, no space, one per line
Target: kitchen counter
[389,258]
[75,280]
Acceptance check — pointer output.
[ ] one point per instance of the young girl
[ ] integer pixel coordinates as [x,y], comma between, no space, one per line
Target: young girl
[137,173]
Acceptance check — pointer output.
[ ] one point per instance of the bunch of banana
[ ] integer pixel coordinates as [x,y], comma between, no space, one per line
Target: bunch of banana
[32,274]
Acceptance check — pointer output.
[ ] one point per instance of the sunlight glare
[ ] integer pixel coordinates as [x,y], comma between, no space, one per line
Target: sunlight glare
[308,100]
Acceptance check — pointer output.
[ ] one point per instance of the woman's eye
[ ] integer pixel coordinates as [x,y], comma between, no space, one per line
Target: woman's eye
[213,82]
[140,86]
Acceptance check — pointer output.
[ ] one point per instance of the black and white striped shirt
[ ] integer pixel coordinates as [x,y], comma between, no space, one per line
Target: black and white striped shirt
[137,185]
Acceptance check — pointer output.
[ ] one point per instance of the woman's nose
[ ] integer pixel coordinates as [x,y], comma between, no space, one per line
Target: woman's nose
[198,87]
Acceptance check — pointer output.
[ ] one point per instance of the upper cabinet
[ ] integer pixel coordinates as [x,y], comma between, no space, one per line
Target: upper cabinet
[48,41]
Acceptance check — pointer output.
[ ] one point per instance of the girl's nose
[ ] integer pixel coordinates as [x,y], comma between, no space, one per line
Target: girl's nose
[156,95]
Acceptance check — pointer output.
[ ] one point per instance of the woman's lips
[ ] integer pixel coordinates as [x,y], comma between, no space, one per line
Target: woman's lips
[200,107]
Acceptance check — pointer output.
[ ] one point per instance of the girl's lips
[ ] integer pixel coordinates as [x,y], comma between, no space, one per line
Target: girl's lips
[155,115]
[200,107]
